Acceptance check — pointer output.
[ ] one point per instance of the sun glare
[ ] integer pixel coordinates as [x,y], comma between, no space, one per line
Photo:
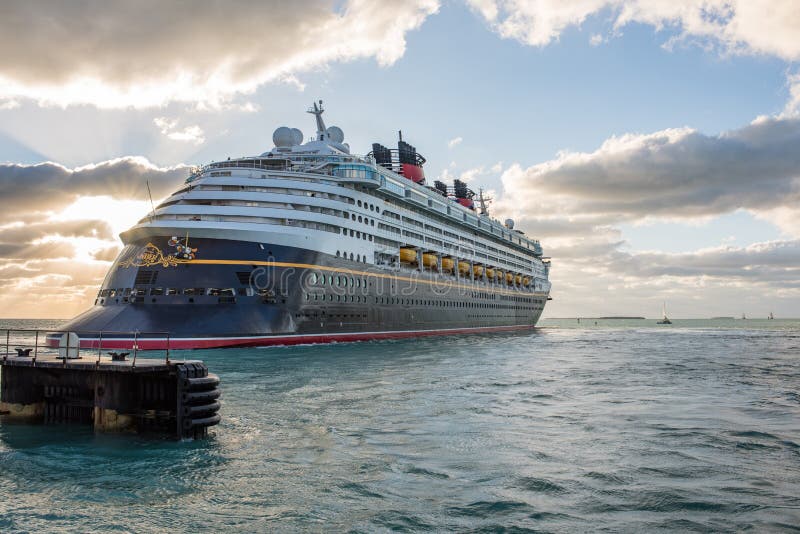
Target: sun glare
[119,214]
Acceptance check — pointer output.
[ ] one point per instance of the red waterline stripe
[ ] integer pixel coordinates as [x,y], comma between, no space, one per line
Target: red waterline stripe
[261,341]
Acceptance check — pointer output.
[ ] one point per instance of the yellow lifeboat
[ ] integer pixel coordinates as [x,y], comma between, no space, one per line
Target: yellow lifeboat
[463,267]
[509,278]
[408,255]
[430,260]
[447,265]
[477,271]
[498,274]
[526,281]
[518,279]
[489,273]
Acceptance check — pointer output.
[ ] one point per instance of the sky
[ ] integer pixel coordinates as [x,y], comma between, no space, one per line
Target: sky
[652,146]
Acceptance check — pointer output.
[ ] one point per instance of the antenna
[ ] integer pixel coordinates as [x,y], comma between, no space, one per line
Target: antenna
[152,207]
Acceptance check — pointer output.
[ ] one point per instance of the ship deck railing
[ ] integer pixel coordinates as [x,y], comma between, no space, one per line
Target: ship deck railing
[35,342]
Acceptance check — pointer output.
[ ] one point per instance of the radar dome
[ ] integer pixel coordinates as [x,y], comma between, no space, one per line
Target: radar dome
[510,224]
[298,136]
[335,134]
[283,137]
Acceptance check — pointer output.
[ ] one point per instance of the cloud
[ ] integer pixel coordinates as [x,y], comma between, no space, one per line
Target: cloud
[44,187]
[577,201]
[596,39]
[673,173]
[454,142]
[768,27]
[118,54]
[169,127]
[793,104]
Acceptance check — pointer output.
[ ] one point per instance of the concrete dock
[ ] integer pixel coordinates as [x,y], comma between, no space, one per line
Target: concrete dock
[109,390]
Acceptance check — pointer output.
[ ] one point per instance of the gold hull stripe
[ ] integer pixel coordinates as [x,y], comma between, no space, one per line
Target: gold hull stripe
[353,272]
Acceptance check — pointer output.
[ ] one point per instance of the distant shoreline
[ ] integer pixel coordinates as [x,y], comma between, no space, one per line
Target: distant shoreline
[595,318]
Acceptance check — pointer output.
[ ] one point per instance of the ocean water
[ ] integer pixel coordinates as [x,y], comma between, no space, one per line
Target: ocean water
[623,426]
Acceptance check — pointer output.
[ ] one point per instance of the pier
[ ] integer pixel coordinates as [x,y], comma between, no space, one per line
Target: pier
[115,391]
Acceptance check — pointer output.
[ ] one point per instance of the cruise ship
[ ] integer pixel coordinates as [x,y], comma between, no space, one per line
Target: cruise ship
[309,243]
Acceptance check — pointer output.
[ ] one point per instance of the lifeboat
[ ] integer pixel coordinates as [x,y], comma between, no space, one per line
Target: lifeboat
[509,278]
[477,271]
[408,255]
[430,260]
[489,273]
[518,279]
[498,275]
[463,267]
[526,281]
[447,265]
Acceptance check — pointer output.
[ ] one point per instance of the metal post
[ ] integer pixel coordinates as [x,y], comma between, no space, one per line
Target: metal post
[135,347]
[35,346]
[167,348]
[99,347]
[66,353]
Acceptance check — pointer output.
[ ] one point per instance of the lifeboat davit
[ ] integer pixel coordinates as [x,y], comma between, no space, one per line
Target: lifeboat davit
[447,265]
[408,255]
[430,260]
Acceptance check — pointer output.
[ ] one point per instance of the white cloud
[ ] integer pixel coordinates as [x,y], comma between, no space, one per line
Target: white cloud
[113,54]
[738,26]
[6,104]
[470,174]
[454,142]
[793,104]
[169,127]
[596,39]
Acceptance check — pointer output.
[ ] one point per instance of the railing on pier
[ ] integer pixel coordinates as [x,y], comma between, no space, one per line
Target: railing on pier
[69,345]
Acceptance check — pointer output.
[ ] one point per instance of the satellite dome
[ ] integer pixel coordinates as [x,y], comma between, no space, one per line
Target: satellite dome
[335,134]
[510,224]
[283,137]
[298,136]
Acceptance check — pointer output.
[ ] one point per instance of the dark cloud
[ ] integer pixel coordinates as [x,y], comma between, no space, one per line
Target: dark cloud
[50,186]
[671,173]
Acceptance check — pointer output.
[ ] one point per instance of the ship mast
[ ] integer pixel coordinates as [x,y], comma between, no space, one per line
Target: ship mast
[317,111]
[483,200]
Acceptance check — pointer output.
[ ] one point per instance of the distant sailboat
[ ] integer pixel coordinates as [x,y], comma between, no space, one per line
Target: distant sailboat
[771,316]
[743,317]
[665,320]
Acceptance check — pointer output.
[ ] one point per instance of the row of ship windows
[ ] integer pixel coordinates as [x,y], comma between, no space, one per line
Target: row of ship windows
[366,205]
[353,216]
[159,291]
[337,280]
[273,205]
[315,297]
[503,233]
[313,279]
